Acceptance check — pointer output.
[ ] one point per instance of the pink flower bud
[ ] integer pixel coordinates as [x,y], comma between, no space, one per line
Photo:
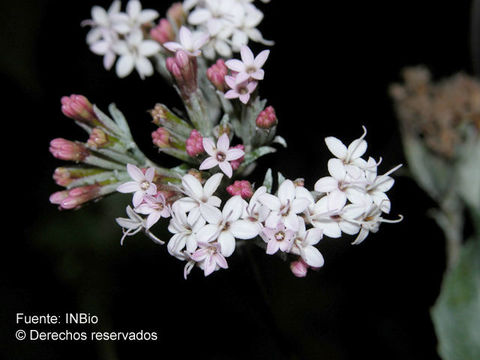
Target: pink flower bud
[78,107]
[194,143]
[236,163]
[161,137]
[184,70]
[98,138]
[267,118]
[163,32]
[216,74]
[62,176]
[68,150]
[299,268]
[79,196]
[176,13]
[242,188]
[58,197]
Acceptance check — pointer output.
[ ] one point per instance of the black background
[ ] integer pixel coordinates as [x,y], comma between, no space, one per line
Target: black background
[327,74]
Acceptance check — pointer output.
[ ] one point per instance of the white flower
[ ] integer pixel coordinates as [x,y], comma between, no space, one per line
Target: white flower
[155,207]
[134,18]
[190,43]
[226,225]
[185,232]
[141,185]
[103,37]
[220,155]
[352,154]
[289,202]
[133,224]
[255,212]
[134,52]
[209,258]
[250,67]
[199,199]
[303,245]
[247,29]
[278,238]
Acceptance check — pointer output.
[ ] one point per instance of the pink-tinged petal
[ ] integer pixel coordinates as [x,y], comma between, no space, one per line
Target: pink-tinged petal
[137,198]
[212,184]
[200,255]
[241,77]
[128,187]
[223,143]
[232,94]
[272,247]
[220,260]
[209,146]
[185,37]
[258,75]
[227,243]
[208,233]
[209,266]
[336,147]
[272,220]
[244,98]
[285,245]
[243,229]
[336,200]
[108,60]
[251,86]
[230,81]
[135,173]
[313,257]
[286,192]
[150,174]
[247,55]
[270,201]
[172,46]
[192,185]
[269,232]
[226,168]
[261,58]
[326,184]
[234,154]
[100,47]
[336,168]
[235,65]
[208,163]
[200,40]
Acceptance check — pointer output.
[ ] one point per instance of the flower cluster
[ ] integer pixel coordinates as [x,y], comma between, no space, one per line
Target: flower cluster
[206,202]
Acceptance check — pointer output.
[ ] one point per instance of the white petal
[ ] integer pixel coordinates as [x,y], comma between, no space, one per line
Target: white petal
[124,66]
[336,147]
[226,168]
[212,184]
[192,185]
[148,48]
[243,229]
[286,191]
[208,163]
[207,233]
[313,257]
[227,243]
[270,201]
[128,187]
[211,214]
[336,168]
[326,184]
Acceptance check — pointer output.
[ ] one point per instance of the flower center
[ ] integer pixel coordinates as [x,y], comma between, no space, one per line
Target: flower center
[145,185]
[251,70]
[221,156]
[280,236]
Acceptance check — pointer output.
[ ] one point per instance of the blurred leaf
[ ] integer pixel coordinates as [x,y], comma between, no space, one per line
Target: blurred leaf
[268,181]
[250,157]
[468,170]
[456,314]
[432,173]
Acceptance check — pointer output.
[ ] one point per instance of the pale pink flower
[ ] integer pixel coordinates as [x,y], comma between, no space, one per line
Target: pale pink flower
[236,163]
[155,207]
[209,257]
[141,185]
[249,67]
[303,245]
[239,89]
[278,238]
[220,155]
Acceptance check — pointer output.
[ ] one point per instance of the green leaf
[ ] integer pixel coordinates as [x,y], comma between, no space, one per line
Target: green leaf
[432,173]
[468,170]
[268,181]
[281,178]
[250,157]
[456,314]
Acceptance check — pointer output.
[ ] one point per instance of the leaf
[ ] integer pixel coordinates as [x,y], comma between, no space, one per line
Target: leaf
[432,173]
[281,178]
[280,140]
[456,314]
[268,181]
[250,157]
[468,171]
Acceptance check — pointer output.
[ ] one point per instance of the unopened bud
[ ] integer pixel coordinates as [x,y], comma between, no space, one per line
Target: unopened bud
[68,150]
[184,70]
[236,163]
[299,268]
[57,197]
[267,118]
[299,182]
[78,107]
[242,188]
[98,138]
[79,196]
[176,13]
[216,74]
[194,144]
[159,114]
[163,32]
[161,137]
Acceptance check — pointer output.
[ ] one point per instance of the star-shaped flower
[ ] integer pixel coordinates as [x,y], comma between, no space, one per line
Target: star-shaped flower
[141,185]
[249,67]
[220,155]
[189,42]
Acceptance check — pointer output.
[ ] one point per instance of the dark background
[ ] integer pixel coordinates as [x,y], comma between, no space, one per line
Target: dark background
[328,74]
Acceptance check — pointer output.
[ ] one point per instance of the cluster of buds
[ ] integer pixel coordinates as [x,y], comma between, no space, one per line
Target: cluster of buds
[208,204]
